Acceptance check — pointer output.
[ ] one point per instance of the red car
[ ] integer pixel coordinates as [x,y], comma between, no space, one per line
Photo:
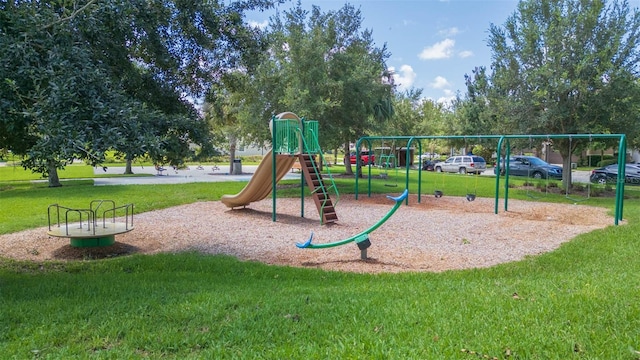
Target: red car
[366,157]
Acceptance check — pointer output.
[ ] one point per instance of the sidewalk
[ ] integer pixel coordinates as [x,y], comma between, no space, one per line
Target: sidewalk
[171,176]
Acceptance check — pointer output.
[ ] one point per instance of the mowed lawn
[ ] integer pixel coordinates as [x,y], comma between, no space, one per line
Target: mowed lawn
[580,301]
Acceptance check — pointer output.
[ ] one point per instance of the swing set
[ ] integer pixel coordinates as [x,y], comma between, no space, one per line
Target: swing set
[470,191]
[503,148]
[622,150]
[388,160]
[567,194]
[535,173]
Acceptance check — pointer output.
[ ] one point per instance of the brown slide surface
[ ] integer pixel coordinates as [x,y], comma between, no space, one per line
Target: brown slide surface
[260,185]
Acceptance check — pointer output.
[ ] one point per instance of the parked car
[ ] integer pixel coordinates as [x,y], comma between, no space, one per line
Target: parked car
[609,174]
[428,165]
[532,167]
[462,164]
[367,157]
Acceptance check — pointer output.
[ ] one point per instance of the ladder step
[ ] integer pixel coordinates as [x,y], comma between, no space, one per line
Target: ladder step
[315,182]
[332,218]
[328,210]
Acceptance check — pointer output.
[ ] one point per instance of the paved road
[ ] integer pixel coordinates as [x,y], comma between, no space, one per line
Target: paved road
[170,176]
[580,176]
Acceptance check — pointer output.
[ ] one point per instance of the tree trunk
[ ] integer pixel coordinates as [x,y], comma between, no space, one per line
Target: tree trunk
[54,180]
[347,165]
[127,168]
[347,162]
[566,147]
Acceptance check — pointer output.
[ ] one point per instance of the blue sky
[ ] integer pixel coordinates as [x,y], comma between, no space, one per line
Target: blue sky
[433,43]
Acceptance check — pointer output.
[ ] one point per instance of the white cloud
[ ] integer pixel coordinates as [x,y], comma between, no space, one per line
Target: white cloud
[403,78]
[259,25]
[440,83]
[448,98]
[465,54]
[439,50]
[449,32]
[443,84]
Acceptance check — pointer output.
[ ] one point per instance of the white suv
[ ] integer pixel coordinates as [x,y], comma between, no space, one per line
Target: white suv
[462,164]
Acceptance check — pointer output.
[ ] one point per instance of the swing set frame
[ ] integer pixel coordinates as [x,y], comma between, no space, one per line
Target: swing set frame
[503,141]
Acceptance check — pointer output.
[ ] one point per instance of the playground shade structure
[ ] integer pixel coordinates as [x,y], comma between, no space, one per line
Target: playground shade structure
[260,185]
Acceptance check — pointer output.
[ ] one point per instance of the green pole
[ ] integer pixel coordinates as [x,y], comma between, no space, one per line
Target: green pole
[622,158]
[359,167]
[273,166]
[497,196]
[408,167]
[507,155]
[347,158]
[368,167]
[419,172]
[302,180]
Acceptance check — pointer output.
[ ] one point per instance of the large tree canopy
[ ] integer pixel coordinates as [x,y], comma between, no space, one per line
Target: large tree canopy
[320,65]
[81,77]
[565,66]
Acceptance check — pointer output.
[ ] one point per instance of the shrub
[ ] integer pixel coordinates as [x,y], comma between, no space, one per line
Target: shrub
[578,187]
[606,162]
[596,160]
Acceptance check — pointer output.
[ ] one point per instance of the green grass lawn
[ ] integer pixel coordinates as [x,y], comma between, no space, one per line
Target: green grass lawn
[18,173]
[581,301]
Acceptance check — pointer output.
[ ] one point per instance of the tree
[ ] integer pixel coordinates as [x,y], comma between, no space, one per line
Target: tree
[321,66]
[568,66]
[56,106]
[334,72]
[222,109]
[75,71]
[414,115]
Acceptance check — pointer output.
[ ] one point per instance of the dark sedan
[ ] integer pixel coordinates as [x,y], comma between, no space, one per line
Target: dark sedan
[531,166]
[428,165]
[609,174]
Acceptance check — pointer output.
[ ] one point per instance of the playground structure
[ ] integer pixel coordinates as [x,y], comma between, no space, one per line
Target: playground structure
[503,147]
[294,139]
[82,226]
